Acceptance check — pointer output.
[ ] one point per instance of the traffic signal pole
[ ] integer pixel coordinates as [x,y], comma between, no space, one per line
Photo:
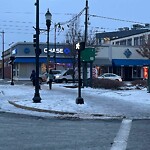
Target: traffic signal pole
[79,46]
[37,98]
[85,40]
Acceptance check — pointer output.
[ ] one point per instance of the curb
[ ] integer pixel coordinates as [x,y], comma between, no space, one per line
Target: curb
[40,110]
[60,112]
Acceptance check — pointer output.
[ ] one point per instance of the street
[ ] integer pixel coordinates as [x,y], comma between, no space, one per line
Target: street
[23,131]
[36,133]
[20,132]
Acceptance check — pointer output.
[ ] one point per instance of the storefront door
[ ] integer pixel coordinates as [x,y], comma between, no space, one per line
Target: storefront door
[127,73]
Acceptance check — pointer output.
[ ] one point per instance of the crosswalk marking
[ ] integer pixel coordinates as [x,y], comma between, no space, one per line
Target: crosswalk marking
[120,141]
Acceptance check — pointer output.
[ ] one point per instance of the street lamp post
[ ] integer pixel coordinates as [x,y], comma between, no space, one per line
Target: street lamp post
[48,17]
[2,54]
[57,25]
[37,98]
[11,62]
[12,74]
[55,47]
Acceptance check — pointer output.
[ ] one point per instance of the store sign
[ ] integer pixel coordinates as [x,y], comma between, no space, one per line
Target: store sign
[26,50]
[14,51]
[127,53]
[58,50]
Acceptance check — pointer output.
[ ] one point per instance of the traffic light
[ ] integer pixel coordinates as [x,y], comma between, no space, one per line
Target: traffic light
[34,40]
[82,46]
[11,59]
[40,51]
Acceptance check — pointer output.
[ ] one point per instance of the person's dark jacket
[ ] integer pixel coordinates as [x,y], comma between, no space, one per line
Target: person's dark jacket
[33,75]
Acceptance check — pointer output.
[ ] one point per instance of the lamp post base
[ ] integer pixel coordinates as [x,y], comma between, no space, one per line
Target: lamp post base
[36,98]
[79,100]
[12,83]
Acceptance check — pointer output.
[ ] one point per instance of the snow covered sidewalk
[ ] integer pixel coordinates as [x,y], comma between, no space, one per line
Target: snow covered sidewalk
[61,100]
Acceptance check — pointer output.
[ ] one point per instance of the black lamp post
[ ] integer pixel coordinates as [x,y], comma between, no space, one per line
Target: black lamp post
[55,47]
[12,58]
[37,98]
[48,17]
[2,54]
[57,25]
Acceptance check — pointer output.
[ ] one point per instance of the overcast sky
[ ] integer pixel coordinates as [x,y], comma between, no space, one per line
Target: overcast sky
[17,17]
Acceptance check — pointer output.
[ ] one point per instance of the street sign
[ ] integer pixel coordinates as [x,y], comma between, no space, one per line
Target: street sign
[88,55]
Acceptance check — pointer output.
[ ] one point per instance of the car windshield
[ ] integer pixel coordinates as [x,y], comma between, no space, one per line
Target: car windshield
[64,71]
[56,71]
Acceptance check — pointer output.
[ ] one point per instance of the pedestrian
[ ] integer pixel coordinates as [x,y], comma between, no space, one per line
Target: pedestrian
[32,77]
[50,79]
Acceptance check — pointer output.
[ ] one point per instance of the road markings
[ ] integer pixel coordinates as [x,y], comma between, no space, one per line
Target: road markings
[120,141]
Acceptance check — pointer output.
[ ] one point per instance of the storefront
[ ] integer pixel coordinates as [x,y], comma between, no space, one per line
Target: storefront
[24,63]
[122,60]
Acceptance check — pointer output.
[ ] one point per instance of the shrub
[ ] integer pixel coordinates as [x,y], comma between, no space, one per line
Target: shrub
[107,84]
[142,83]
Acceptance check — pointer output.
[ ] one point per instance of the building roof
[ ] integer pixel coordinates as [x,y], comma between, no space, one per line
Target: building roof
[120,34]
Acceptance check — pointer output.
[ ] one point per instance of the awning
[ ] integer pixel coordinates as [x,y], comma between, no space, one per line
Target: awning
[130,62]
[42,60]
[103,62]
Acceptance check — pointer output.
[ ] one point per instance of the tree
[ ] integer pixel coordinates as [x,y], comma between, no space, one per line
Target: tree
[144,48]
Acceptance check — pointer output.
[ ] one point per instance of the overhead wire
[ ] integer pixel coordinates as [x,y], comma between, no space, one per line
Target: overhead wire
[116,19]
[61,23]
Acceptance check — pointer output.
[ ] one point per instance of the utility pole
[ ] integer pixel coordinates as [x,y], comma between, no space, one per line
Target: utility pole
[86,22]
[3,76]
[85,40]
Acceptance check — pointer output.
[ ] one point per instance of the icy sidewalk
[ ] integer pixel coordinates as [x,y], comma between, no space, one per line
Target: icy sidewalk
[61,100]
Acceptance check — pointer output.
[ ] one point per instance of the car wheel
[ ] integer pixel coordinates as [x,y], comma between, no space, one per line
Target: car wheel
[64,81]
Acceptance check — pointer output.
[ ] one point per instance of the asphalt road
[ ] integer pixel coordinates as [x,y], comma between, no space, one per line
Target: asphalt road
[20,132]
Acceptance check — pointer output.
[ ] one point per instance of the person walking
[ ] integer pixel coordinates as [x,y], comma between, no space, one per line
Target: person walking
[50,79]
[32,77]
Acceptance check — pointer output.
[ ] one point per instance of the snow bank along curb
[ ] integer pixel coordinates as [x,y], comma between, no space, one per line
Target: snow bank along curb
[61,112]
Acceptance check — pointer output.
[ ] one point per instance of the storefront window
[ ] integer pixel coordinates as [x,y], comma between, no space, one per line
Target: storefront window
[104,69]
[118,71]
[136,72]
[123,42]
[129,42]
[136,43]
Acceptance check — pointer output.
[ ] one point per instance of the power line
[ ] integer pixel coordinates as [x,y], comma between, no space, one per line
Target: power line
[29,13]
[115,19]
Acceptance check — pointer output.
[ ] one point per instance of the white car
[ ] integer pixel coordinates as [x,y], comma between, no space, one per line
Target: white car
[43,77]
[65,76]
[110,76]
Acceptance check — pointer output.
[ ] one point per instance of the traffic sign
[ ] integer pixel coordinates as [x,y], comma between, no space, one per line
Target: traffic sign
[88,55]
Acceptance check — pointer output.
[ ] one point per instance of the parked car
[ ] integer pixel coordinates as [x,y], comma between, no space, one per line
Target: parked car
[110,76]
[65,76]
[43,77]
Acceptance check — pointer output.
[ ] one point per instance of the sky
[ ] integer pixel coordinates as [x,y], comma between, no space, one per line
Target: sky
[63,100]
[17,17]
